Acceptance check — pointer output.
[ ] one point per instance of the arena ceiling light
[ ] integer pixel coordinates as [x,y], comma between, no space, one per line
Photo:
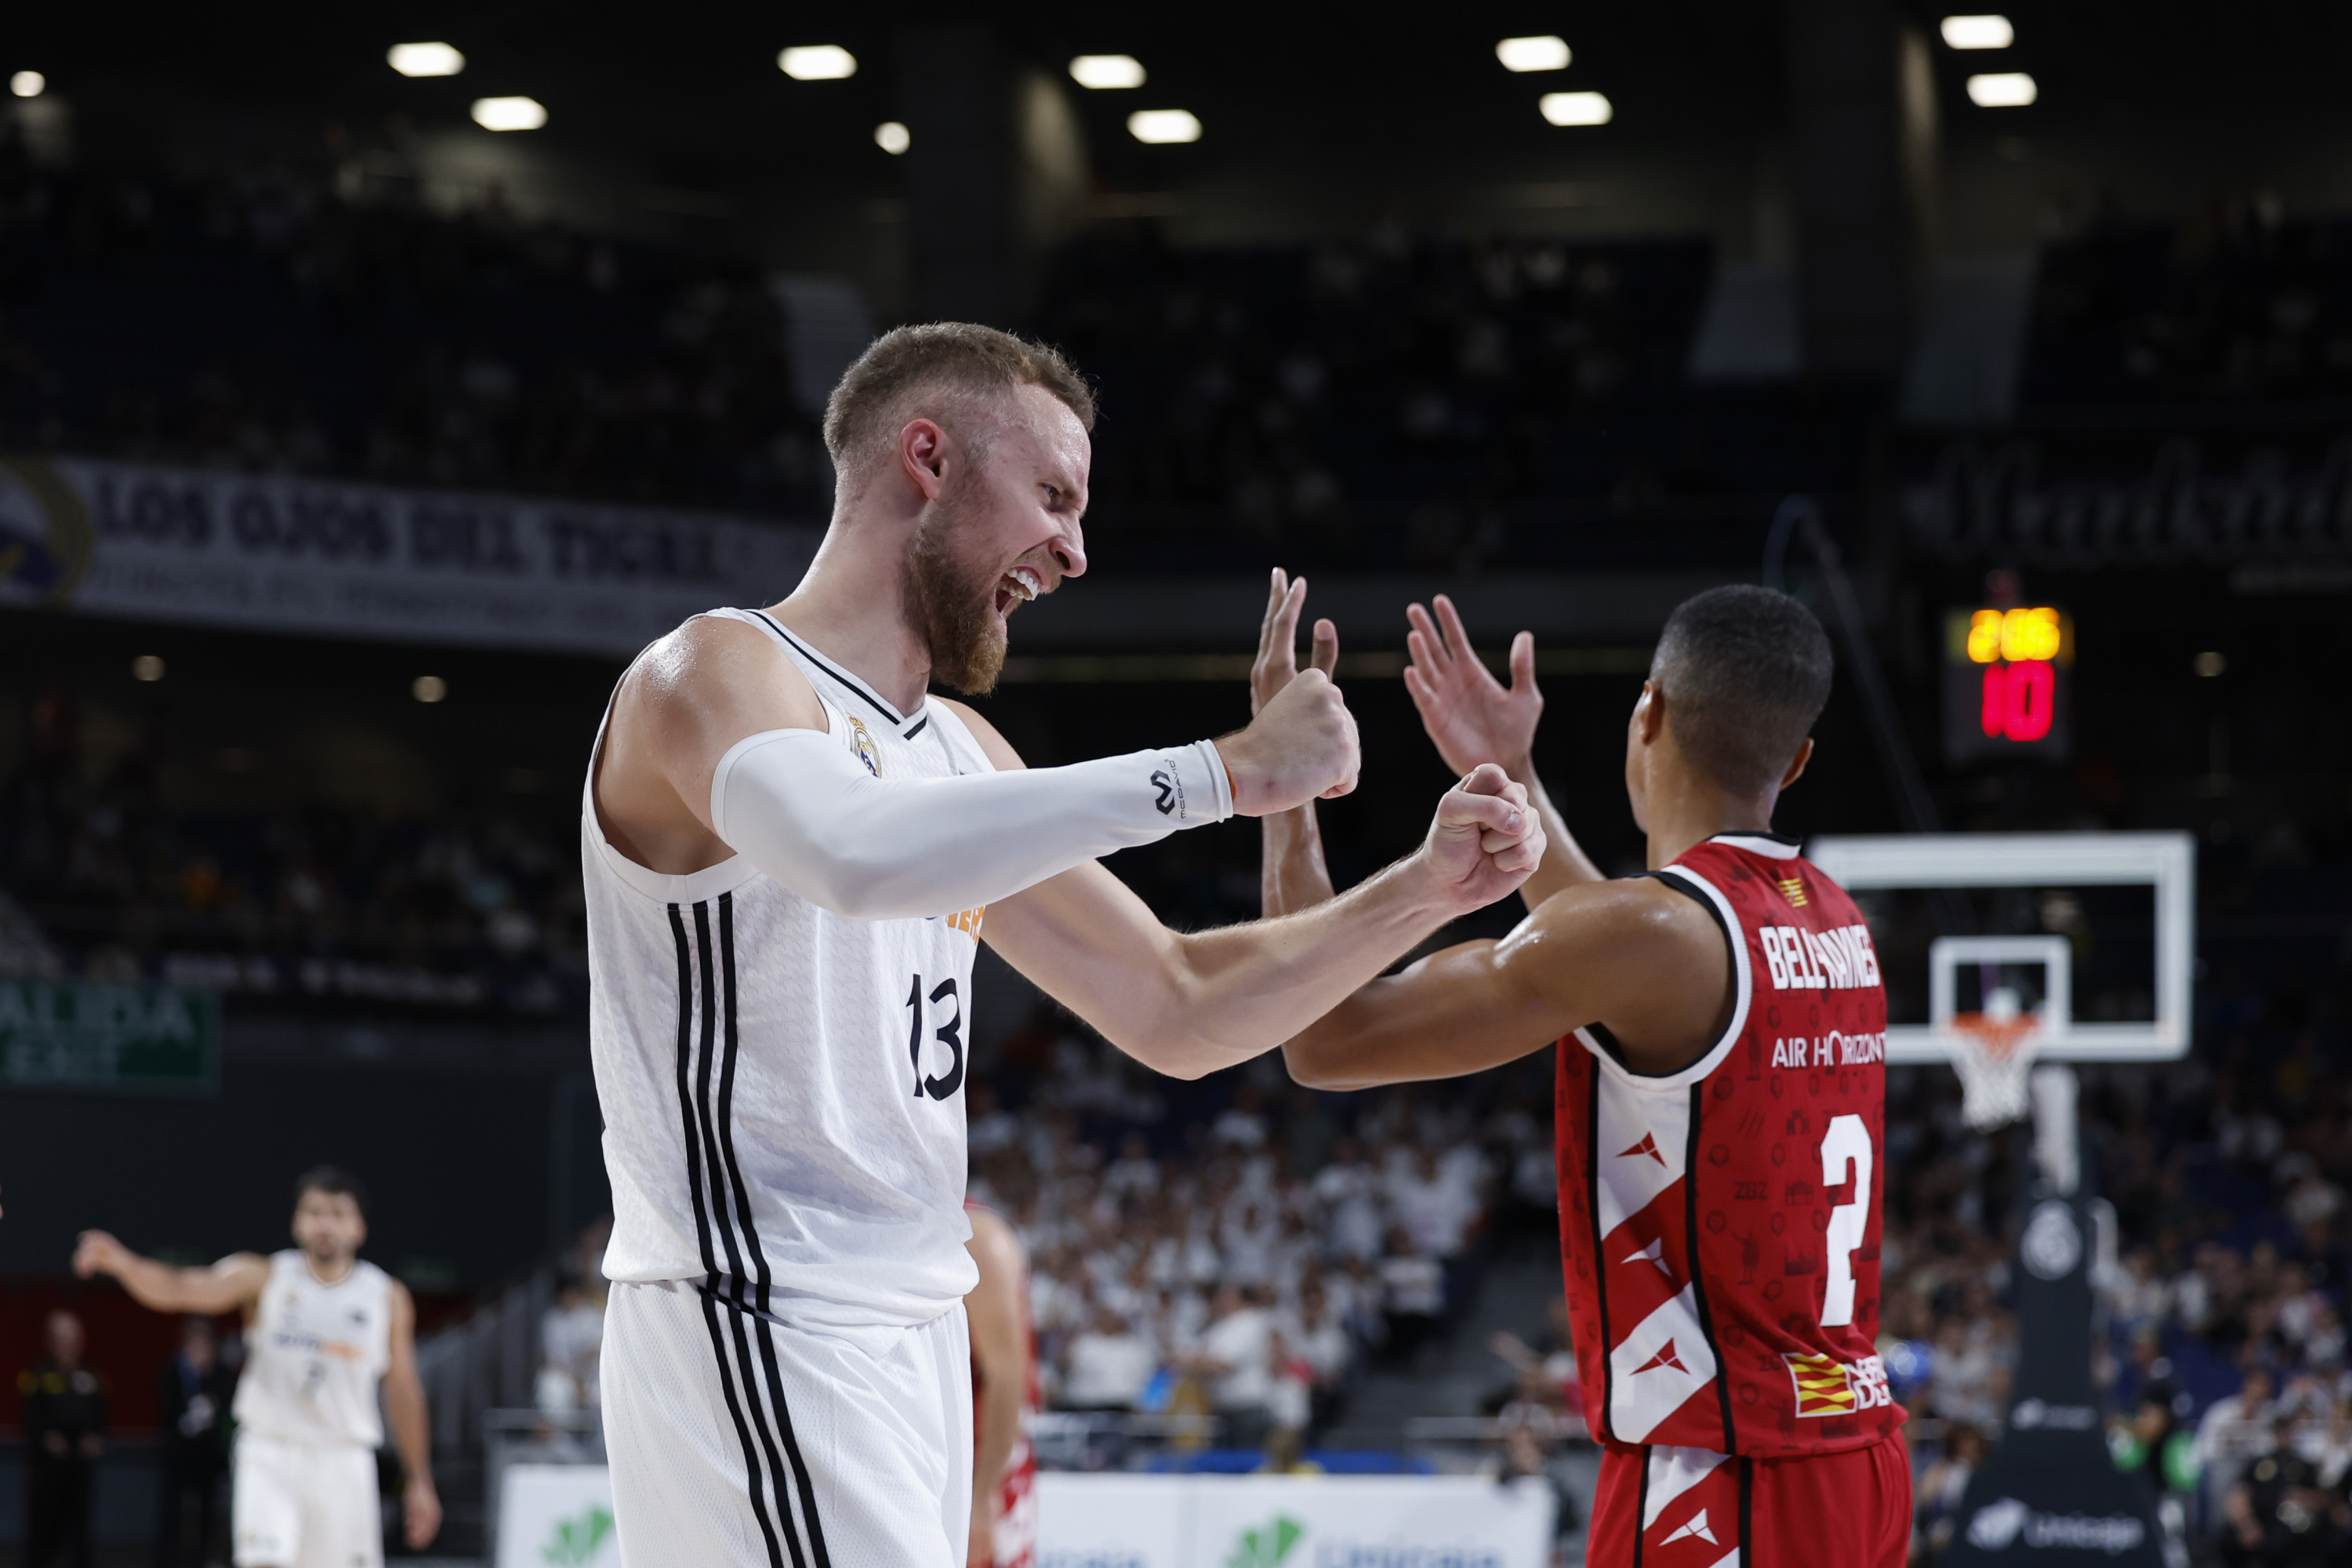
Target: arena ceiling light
[1576,108]
[1101,71]
[1547,53]
[510,114]
[817,62]
[2002,90]
[1159,126]
[424,59]
[892,137]
[1977,33]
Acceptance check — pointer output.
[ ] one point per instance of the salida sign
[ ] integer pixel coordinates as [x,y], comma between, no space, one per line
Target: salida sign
[144,1038]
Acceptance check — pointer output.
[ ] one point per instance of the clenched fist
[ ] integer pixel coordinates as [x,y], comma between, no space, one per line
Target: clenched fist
[1485,839]
[1302,746]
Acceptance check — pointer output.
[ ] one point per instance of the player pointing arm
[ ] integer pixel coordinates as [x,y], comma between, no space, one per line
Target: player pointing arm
[326,1327]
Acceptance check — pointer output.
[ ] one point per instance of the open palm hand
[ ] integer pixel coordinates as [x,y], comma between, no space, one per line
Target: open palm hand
[1472,717]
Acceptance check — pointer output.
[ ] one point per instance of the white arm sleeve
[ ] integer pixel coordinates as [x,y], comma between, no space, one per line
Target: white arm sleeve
[801,807]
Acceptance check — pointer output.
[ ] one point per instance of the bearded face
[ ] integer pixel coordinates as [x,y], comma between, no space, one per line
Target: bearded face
[951,594]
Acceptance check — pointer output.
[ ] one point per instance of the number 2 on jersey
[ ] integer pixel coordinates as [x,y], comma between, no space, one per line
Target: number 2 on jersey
[950,1034]
[1846,1143]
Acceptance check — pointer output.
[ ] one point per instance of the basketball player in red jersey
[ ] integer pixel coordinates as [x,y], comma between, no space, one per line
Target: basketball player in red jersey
[1721,1090]
[1006,1395]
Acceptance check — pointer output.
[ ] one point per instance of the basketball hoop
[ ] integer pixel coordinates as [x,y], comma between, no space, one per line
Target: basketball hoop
[1994,1053]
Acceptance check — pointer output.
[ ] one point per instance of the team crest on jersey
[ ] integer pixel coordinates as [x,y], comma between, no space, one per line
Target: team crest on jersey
[862,743]
[1793,890]
[1827,1386]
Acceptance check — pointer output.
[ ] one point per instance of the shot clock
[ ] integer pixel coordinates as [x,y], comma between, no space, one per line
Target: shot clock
[2008,686]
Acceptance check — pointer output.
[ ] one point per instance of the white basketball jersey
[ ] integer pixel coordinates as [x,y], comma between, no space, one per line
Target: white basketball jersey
[783,1087]
[316,1354]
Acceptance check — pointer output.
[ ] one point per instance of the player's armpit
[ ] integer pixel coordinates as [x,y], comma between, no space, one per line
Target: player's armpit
[1621,953]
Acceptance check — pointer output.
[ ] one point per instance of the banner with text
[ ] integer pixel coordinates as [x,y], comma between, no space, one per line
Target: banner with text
[268,552]
[563,1514]
[144,1039]
[1291,1521]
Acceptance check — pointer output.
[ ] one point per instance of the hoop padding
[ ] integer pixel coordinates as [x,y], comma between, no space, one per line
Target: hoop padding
[1995,1060]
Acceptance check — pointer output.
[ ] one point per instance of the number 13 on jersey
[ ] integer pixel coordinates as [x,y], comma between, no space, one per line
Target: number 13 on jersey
[950,1034]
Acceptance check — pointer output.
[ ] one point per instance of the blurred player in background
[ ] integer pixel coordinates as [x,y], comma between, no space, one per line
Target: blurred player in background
[791,850]
[1006,1395]
[1721,1094]
[326,1329]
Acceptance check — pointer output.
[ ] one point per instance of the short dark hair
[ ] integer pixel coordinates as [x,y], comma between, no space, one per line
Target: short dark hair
[334,1180]
[1746,671]
[941,362]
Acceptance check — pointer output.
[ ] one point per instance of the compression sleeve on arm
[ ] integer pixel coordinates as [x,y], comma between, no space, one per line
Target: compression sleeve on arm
[801,807]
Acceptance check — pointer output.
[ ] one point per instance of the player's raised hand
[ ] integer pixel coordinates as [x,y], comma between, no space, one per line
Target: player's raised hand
[1277,641]
[1302,746]
[1485,839]
[1471,716]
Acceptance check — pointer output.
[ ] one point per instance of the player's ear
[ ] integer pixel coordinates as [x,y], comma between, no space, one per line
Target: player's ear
[1650,713]
[1797,763]
[923,457]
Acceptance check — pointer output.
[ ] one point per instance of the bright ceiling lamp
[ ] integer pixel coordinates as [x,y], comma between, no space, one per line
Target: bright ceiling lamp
[1159,126]
[2002,90]
[1107,71]
[28,84]
[817,62]
[510,114]
[1544,54]
[1977,33]
[424,59]
[892,137]
[1576,108]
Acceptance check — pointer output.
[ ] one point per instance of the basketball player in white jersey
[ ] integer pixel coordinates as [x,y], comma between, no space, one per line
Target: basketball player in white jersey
[324,1328]
[791,851]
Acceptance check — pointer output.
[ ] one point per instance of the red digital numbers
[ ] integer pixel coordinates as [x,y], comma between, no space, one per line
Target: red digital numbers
[2019,699]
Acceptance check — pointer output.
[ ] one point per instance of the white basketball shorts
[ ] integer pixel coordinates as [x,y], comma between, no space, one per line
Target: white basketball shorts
[301,1505]
[736,1442]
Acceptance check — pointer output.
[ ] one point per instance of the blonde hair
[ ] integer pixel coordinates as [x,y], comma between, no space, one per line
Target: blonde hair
[929,371]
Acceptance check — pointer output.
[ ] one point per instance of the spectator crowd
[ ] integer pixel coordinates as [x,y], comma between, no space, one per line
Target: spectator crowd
[475,910]
[1246,1260]
[321,319]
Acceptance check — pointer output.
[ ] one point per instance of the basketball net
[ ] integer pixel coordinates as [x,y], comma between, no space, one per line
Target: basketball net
[1994,1055]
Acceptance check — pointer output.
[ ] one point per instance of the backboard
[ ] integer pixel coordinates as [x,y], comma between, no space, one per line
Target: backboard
[2091,934]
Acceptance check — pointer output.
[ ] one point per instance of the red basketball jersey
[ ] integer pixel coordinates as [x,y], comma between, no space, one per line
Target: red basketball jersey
[1720,1225]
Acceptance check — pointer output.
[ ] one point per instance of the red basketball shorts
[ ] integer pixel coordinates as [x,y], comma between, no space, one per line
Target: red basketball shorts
[1690,1508]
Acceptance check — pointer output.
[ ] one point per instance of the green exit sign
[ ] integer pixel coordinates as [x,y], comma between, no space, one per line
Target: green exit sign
[141,1039]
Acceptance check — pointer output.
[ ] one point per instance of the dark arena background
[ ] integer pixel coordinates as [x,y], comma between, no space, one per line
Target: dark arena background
[358,424]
